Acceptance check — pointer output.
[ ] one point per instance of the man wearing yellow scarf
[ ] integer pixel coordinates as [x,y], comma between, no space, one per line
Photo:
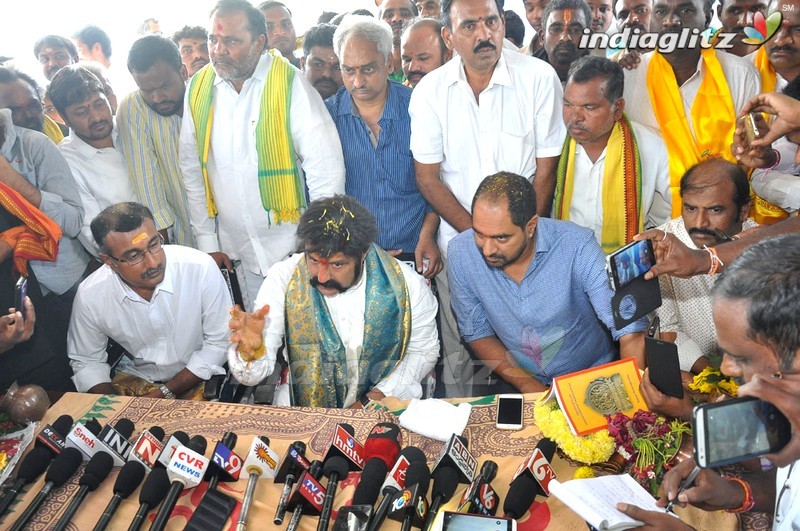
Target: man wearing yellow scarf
[603,181]
[778,60]
[256,143]
[690,95]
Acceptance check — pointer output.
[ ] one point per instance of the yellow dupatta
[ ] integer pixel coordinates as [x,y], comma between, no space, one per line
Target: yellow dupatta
[769,78]
[713,118]
[622,186]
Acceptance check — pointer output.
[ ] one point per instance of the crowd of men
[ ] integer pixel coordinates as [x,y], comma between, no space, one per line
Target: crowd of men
[410,202]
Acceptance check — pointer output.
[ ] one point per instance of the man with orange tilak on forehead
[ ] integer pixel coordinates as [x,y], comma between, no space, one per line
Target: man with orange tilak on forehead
[358,324]
[166,305]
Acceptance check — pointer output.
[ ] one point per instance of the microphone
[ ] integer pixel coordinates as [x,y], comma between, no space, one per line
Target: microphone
[225,465]
[148,447]
[394,483]
[308,496]
[185,471]
[63,467]
[30,468]
[520,497]
[153,492]
[258,462]
[334,469]
[96,472]
[344,444]
[445,482]
[83,437]
[130,476]
[480,497]
[537,466]
[456,454]
[178,439]
[54,437]
[410,505]
[114,440]
[380,452]
[294,463]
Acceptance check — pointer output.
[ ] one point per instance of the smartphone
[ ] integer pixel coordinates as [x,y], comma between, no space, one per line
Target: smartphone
[751,127]
[736,430]
[476,522]
[509,412]
[20,292]
[232,281]
[629,263]
[665,368]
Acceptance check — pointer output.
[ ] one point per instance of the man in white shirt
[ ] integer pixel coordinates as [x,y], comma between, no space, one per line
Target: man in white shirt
[90,149]
[243,207]
[358,323]
[716,202]
[165,305]
[670,92]
[486,110]
[596,165]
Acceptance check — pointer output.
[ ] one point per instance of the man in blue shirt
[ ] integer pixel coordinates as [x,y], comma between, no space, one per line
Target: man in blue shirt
[371,115]
[531,295]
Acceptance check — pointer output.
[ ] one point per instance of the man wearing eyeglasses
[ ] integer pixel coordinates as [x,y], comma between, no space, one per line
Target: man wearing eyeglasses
[166,305]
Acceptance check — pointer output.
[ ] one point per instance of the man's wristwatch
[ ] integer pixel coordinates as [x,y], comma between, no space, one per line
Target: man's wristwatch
[165,391]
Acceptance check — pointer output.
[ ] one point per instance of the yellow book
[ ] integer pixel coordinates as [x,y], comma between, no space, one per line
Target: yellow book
[587,396]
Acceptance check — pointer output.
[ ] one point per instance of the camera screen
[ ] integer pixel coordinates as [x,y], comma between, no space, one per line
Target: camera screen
[470,522]
[632,262]
[748,428]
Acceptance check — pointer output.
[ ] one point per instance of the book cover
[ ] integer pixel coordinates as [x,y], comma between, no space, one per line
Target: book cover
[587,396]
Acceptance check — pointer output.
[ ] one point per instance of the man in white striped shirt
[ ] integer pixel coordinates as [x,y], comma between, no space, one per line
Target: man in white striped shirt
[149,123]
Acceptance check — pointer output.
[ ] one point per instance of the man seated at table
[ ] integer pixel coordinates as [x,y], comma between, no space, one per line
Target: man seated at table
[358,323]
[166,305]
[531,294]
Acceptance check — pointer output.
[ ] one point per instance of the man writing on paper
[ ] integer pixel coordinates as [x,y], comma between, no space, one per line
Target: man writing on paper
[358,324]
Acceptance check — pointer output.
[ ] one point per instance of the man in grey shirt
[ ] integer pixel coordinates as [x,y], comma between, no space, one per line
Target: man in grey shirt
[31,164]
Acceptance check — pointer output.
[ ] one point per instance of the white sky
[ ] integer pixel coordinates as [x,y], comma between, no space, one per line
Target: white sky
[24,21]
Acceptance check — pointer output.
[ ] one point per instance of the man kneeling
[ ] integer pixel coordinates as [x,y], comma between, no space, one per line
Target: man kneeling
[358,324]
[166,305]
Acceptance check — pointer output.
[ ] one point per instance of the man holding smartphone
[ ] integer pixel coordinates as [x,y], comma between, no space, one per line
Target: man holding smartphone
[755,304]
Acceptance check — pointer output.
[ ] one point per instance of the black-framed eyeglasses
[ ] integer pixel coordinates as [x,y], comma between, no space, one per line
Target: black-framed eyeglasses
[136,257]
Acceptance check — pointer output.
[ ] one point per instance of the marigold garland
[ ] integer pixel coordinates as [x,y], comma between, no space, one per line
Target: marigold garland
[711,379]
[596,447]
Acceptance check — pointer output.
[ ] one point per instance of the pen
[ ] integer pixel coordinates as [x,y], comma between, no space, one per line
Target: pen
[685,484]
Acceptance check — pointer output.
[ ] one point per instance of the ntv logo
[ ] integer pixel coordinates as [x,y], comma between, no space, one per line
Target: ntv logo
[763,30]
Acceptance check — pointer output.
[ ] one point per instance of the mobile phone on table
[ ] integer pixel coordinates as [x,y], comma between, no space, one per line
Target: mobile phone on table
[629,263]
[20,292]
[475,522]
[509,412]
[736,430]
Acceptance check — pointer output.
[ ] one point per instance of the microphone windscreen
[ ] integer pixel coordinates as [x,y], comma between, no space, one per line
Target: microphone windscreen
[412,454]
[229,439]
[336,464]
[418,473]
[198,443]
[383,442]
[97,470]
[64,465]
[34,464]
[369,486]
[131,474]
[124,427]
[155,488]
[181,436]
[93,426]
[157,432]
[445,481]
[520,495]
[547,446]
[489,470]
[62,425]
